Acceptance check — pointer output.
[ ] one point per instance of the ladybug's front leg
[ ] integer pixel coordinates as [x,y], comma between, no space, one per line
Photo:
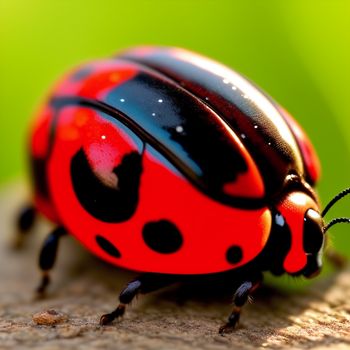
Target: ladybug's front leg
[240,297]
[25,222]
[144,284]
[47,257]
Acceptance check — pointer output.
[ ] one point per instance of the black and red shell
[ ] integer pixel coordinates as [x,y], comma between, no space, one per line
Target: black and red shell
[161,160]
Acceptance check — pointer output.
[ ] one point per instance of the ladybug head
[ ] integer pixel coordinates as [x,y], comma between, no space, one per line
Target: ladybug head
[298,215]
[304,232]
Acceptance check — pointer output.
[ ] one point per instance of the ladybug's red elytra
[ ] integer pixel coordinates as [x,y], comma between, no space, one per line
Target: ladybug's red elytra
[165,162]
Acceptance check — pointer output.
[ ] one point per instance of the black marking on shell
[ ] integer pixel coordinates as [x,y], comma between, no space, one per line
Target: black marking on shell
[162,236]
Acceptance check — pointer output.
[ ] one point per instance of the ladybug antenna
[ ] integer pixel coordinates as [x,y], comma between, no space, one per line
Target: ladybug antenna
[336,198]
[334,222]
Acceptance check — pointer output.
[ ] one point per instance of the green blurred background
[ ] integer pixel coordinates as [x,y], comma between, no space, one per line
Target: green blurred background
[298,51]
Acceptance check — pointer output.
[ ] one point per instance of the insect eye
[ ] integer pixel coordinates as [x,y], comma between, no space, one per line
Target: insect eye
[313,234]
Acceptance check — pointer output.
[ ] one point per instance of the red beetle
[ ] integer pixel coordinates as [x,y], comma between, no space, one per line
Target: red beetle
[165,162]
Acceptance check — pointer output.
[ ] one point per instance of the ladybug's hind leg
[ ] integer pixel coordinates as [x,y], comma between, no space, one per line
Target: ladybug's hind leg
[47,257]
[240,297]
[25,222]
[144,284]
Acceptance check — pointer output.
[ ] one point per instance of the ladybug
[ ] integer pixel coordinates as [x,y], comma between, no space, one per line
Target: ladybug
[165,162]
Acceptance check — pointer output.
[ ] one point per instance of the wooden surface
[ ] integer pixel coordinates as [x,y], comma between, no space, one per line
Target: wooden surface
[175,318]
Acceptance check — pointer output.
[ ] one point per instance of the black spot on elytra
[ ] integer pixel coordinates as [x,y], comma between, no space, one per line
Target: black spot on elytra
[162,236]
[107,246]
[234,254]
[107,203]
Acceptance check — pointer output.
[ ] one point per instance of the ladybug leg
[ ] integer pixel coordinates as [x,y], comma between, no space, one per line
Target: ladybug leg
[144,284]
[47,257]
[240,297]
[25,222]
